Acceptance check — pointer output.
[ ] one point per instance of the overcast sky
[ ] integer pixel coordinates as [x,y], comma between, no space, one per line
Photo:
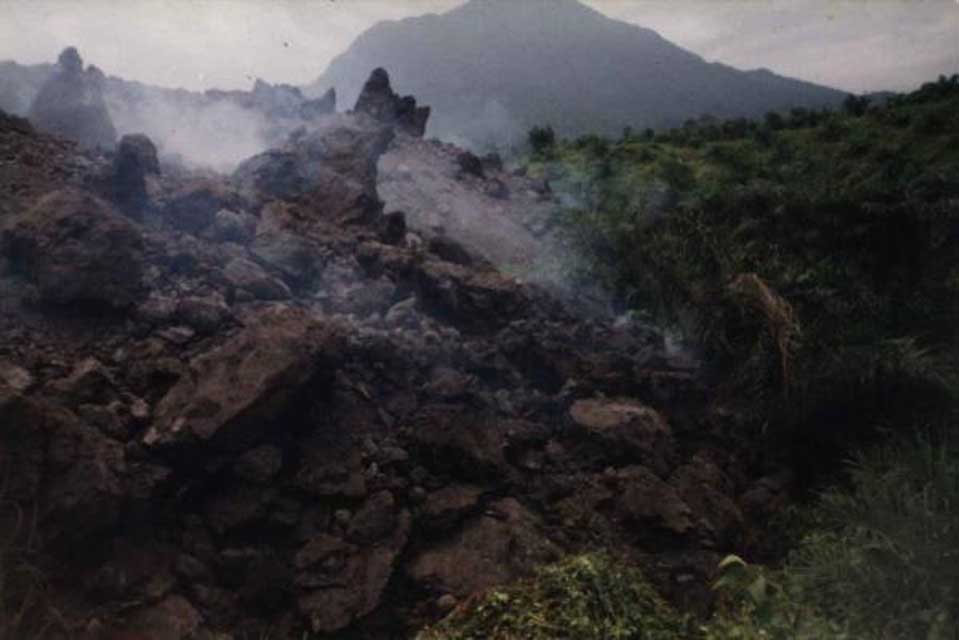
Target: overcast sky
[856,45]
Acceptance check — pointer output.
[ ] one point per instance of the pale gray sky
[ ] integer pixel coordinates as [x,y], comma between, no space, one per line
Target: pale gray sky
[856,45]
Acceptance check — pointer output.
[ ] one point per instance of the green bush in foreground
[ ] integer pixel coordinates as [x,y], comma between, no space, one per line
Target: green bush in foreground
[887,560]
[587,597]
[883,563]
[755,604]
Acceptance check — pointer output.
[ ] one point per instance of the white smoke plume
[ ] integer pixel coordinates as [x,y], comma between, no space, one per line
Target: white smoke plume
[214,134]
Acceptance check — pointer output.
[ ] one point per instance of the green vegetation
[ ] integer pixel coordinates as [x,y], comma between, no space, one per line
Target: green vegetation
[757,604]
[814,258]
[886,560]
[542,139]
[881,563]
[588,597]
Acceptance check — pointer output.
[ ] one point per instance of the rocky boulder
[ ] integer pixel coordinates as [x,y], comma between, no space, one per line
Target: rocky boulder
[380,101]
[174,618]
[136,158]
[194,206]
[63,468]
[71,104]
[704,487]
[625,429]
[475,299]
[232,226]
[247,276]
[393,227]
[343,581]
[643,499]
[490,549]
[283,242]
[332,168]
[76,248]
[237,392]
[470,164]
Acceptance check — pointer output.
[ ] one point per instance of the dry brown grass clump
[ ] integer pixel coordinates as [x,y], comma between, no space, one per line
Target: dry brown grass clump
[780,318]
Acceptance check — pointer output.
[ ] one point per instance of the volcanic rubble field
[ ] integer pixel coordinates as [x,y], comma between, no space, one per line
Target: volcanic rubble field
[262,402]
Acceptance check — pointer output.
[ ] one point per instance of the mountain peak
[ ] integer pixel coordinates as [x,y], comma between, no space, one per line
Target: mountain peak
[492,69]
[538,9]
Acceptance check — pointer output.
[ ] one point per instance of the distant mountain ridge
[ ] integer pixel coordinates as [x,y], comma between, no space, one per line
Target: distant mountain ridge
[491,69]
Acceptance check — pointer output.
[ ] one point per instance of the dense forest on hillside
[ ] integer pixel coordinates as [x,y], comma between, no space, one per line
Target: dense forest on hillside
[813,257]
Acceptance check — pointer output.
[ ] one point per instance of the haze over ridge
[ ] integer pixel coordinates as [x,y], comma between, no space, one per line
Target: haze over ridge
[852,45]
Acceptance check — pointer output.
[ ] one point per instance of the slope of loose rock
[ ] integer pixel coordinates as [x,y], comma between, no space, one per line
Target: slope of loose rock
[314,424]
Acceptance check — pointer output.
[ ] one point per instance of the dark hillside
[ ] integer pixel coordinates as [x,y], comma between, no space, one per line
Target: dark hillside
[492,69]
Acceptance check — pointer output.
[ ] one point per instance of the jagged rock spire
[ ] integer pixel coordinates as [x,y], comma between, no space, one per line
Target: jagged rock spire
[380,101]
[71,104]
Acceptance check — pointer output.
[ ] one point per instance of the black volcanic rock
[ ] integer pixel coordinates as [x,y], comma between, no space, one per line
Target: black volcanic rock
[334,165]
[305,416]
[15,123]
[492,69]
[136,158]
[380,101]
[76,249]
[71,104]
[470,164]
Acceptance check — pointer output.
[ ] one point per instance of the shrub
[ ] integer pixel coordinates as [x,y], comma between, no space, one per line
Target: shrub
[834,130]
[542,139]
[588,597]
[758,604]
[855,106]
[887,560]
[882,561]
[931,122]
[775,121]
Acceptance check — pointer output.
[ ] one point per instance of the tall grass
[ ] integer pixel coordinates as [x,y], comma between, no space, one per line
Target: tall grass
[887,559]
[881,563]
